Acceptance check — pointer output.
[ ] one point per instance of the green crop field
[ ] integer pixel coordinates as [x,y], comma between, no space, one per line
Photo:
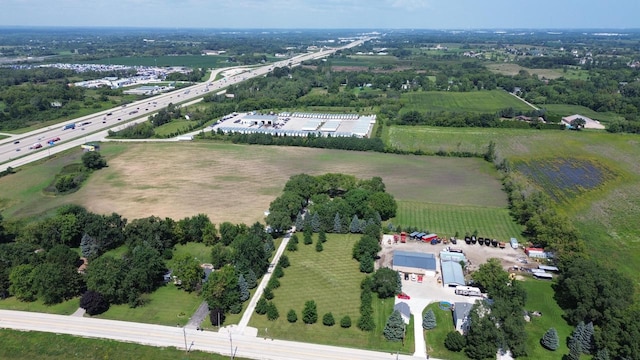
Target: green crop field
[477,102]
[28,345]
[331,278]
[446,220]
[606,216]
[566,110]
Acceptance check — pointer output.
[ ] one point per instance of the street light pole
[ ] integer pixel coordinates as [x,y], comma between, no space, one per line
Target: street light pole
[184,331]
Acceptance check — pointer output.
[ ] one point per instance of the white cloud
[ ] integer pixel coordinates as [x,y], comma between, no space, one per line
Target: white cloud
[409,4]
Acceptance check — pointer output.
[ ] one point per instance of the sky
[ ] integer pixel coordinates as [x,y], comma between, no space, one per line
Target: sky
[325,14]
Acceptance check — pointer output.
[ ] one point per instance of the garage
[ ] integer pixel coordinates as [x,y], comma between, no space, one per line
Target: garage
[416,264]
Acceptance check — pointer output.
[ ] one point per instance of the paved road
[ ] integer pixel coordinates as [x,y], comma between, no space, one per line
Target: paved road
[164,336]
[10,156]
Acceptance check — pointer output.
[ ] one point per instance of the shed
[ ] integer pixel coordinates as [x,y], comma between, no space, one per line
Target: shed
[452,274]
[543,275]
[415,262]
[548,268]
[461,312]
[404,310]
[514,243]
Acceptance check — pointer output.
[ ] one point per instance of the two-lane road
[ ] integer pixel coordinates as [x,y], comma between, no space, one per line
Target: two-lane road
[165,336]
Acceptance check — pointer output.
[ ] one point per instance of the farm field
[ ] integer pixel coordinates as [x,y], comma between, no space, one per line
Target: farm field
[197,177]
[606,217]
[332,279]
[511,69]
[22,345]
[445,220]
[477,102]
[566,110]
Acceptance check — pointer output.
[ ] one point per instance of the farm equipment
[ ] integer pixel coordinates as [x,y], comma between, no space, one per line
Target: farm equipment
[403,237]
[502,245]
[494,242]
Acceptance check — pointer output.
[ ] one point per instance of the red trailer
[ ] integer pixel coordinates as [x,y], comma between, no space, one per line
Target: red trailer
[396,238]
[429,237]
[403,237]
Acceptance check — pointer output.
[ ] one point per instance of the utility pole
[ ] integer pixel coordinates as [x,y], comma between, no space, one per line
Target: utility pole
[230,345]
[184,331]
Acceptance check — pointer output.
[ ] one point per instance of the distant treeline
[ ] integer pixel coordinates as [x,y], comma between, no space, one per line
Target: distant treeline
[458,119]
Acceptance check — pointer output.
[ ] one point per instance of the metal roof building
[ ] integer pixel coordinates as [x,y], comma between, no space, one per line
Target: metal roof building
[461,312]
[452,274]
[414,262]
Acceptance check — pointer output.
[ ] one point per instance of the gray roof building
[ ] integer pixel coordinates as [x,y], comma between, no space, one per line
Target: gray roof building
[406,259]
[452,274]
[461,312]
[404,310]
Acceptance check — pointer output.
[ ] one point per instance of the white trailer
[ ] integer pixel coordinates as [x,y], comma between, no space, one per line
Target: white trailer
[185,138]
[468,291]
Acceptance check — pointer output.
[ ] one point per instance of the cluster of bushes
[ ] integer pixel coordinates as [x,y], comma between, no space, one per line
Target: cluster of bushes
[332,200]
[457,119]
[72,176]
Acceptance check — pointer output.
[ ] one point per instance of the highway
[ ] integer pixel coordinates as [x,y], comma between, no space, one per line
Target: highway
[169,336]
[14,148]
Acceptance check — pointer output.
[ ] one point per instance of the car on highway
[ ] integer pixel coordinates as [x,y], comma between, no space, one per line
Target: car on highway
[35,146]
[404,296]
[18,149]
[16,142]
[86,123]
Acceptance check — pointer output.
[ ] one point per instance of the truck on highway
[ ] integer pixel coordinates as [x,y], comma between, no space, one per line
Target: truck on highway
[69,126]
[185,138]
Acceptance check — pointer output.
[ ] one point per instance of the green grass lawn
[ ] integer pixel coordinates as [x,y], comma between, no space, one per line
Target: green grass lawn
[435,337]
[166,306]
[566,110]
[478,102]
[172,127]
[64,308]
[540,298]
[28,345]
[200,251]
[331,278]
[446,219]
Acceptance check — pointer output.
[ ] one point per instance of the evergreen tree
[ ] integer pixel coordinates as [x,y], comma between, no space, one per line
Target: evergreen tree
[292,245]
[251,279]
[344,221]
[278,271]
[243,287]
[322,236]
[272,311]
[328,319]
[455,341]
[310,312]
[577,337]
[394,329]
[261,306]
[602,354]
[294,239]
[315,222]
[299,222]
[291,316]
[355,225]
[362,225]
[319,246]
[366,323]
[337,224]
[268,293]
[273,283]
[588,340]
[284,261]
[366,264]
[550,340]
[345,322]
[575,348]
[308,240]
[429,320]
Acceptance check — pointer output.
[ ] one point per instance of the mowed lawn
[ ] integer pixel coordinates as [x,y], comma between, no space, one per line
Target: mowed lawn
[446,220]
[566,110]
[435,337]
[332,279]
[477,102]
[64,308]
[168,305]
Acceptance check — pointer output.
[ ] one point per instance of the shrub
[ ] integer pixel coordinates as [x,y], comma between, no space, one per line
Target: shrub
[328,319]
[278,272]
[272,311]
[345,322]
[310,312]
[268,294]
[94,303]
[261,306]
[291,316]
[455,341]
[284,261]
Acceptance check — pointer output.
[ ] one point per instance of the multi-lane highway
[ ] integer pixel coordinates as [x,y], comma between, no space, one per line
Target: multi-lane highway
[19,150]
[165,336]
